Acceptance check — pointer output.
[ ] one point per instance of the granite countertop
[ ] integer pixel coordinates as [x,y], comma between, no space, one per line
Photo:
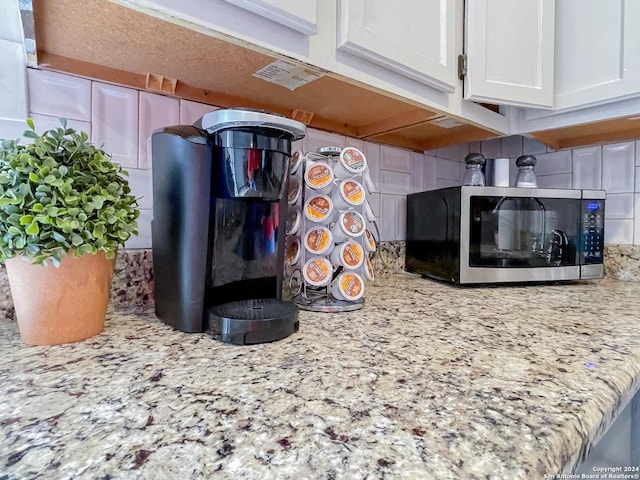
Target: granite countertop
[427,381]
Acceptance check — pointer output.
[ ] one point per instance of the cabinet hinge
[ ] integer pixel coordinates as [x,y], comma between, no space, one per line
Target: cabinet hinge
[462,66]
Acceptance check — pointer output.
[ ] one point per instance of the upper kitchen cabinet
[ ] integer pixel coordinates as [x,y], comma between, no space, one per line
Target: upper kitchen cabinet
[414,39]
[509,49]
[597,51]
[597,76]
[300,16]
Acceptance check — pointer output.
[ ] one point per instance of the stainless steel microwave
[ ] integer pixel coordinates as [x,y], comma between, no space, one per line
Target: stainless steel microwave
[471,235]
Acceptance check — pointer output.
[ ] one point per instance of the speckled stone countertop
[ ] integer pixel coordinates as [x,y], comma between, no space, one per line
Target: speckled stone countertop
[427,381]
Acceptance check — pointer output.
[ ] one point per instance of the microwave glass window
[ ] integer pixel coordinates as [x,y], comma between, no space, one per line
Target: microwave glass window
[524,232]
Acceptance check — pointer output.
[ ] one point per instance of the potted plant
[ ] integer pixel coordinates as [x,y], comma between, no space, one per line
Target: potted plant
[64,210]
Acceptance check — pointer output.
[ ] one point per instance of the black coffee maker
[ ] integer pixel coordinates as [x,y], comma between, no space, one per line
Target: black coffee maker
[219,214]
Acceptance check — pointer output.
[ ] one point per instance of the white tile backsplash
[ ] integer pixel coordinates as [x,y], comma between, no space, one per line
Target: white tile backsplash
[618,231]
[355,143]
[395,159]
[619,205]
[316,139]
[636,219]
[394,171]
[418,172]
[389,205]
[431,163]
[448,169]
[141,183]
[401,219]
[618,167]
[156,111]
[372,154]
[491,148]
[48,122]
[143,239]
[554,163]
[559,180]
[192,111]
[114,122]
[531,146]
[13,81]
[445,182]
[374,203]
[10,23]
[12,129]
[455,152]
[511,146]
[587,168]
[395,183]
[59,95]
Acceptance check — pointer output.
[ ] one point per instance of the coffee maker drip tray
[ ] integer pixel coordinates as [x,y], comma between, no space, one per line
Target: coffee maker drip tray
[252,321]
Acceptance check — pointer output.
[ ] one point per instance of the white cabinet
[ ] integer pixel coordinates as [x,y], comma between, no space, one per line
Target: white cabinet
[415,39]
[597,66]
[510,50]
[597,51]
[298,15]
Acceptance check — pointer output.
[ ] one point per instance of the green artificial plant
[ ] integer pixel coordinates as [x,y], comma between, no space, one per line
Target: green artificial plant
[60,194]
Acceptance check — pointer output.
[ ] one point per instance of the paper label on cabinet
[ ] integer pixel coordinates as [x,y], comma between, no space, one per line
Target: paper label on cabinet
[288,75]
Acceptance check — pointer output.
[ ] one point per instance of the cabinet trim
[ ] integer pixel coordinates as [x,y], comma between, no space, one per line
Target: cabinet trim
[278,15]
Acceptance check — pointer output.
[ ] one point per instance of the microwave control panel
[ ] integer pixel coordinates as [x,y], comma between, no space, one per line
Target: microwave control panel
[592,245]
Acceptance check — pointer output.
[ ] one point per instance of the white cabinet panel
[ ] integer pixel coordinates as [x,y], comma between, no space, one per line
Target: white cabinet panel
[510,52]
[13,81]
[59,95]
[415,39]
[597,51]
[299,15]
[156,111]
[114,122]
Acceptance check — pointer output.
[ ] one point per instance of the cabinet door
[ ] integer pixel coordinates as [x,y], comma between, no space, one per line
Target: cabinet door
[299,15]
[415,39]
[597,51]
[510,51]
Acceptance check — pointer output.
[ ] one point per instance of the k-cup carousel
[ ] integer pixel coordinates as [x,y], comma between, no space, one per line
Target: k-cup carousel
[331,230]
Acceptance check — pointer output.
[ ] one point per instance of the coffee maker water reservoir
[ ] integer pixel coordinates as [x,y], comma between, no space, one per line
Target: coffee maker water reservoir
[218,225]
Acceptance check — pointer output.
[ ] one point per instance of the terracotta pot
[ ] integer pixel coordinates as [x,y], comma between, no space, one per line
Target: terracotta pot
[64,304]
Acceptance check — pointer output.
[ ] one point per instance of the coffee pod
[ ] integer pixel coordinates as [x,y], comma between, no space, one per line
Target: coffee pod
[348,286]
[350,225]
[351,162]
[292,252]
[294,219]
[319,176]
[317,271]
[295,190]
[318,241]
[349,255]
[319,209]
[369,241]
[349,194]
[295,162]
[367,270]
